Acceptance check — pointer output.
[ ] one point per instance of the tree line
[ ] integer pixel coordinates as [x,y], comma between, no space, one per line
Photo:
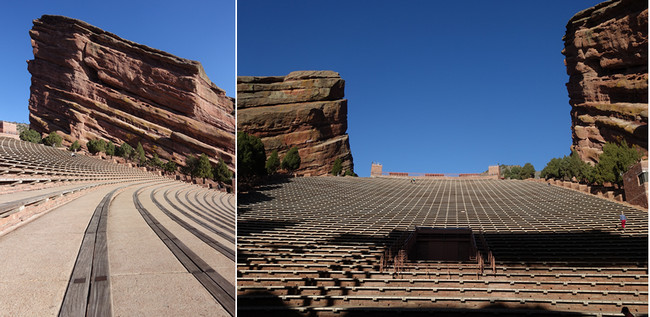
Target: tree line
[613,162]
[199,167]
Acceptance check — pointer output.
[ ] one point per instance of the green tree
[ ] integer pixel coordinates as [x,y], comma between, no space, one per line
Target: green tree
[337,168]
[221,172]
[527,171]
[96,145]
[291,160]
[30,136]
[614,162]
[52,139]
[125,151]
[155,161]
[74,147]
[139,154]
[170,166]
[251,156]
[350,173]
[191,163]
[272,163]
[110,148]
[552,169]
[578,168]
[204,168]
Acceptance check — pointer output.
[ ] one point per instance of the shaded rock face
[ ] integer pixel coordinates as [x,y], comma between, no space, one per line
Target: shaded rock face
[606,49]
[88,83]
[303,109]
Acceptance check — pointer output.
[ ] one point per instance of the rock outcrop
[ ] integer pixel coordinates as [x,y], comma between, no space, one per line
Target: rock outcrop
[606,49]
[88,83]
[303,109]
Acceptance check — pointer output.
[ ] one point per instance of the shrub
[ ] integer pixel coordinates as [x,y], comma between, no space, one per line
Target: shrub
[74,146]
[350,173]
[510,171]
[291,160]
[273,163]
[52,139]
[125,151]
[170,166]
[204,168]
[251,156]
[191,162]
[221,172]
[615,161]
[155,161]
[110,148]
[527,171]
[139,154]
[337,168]
[96,145]
[30,136]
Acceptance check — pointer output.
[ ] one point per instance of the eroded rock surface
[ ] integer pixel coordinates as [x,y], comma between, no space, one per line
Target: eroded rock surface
[303,109]
[88,83]
[606,49]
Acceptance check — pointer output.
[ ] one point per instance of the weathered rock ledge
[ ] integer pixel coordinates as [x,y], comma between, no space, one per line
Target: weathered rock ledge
[88,83]
[303,109]
[606,49]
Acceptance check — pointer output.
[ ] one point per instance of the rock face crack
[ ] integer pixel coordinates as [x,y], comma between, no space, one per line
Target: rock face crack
[88,83]
[606,49]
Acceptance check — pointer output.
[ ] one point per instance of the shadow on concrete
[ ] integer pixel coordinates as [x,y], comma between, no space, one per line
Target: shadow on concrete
[266,304]
[249,195]
[260,303]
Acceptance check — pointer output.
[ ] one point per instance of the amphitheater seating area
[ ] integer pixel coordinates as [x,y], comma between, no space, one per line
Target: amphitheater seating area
[317,246]
[130,243]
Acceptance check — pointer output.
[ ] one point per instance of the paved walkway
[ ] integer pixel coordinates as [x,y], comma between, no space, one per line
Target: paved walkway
[146,276]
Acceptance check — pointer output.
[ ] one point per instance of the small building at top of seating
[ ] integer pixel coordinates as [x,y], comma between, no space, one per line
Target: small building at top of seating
[8,129]
[493,172]
[635,183]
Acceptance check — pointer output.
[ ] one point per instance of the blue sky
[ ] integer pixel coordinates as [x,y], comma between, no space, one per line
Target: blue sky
[432,86]
[194,29]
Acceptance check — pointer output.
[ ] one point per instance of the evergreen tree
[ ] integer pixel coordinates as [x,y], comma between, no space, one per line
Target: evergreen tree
[337,168]
[125,151]
[221,172]
[96,145]
[291,160]
[110,148]
[170,166]
[351,173]
[155,161]
[74,147]
[139,154]
[191,163]
[273,163]
[614,162]
[251,157]
[52,139]
[30,136]
[527,171]
[203,168]
[552,169]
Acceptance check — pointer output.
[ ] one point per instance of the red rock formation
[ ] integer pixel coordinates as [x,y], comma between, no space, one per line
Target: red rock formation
[88,83]
[302,109]
[606,49]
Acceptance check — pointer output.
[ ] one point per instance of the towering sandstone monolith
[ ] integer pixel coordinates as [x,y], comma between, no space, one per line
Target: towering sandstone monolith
[88,83]
[305,109]
[606,49]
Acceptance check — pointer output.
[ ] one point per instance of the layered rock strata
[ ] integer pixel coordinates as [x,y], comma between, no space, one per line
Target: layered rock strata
[88,83]
[606,49]
[303,109]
